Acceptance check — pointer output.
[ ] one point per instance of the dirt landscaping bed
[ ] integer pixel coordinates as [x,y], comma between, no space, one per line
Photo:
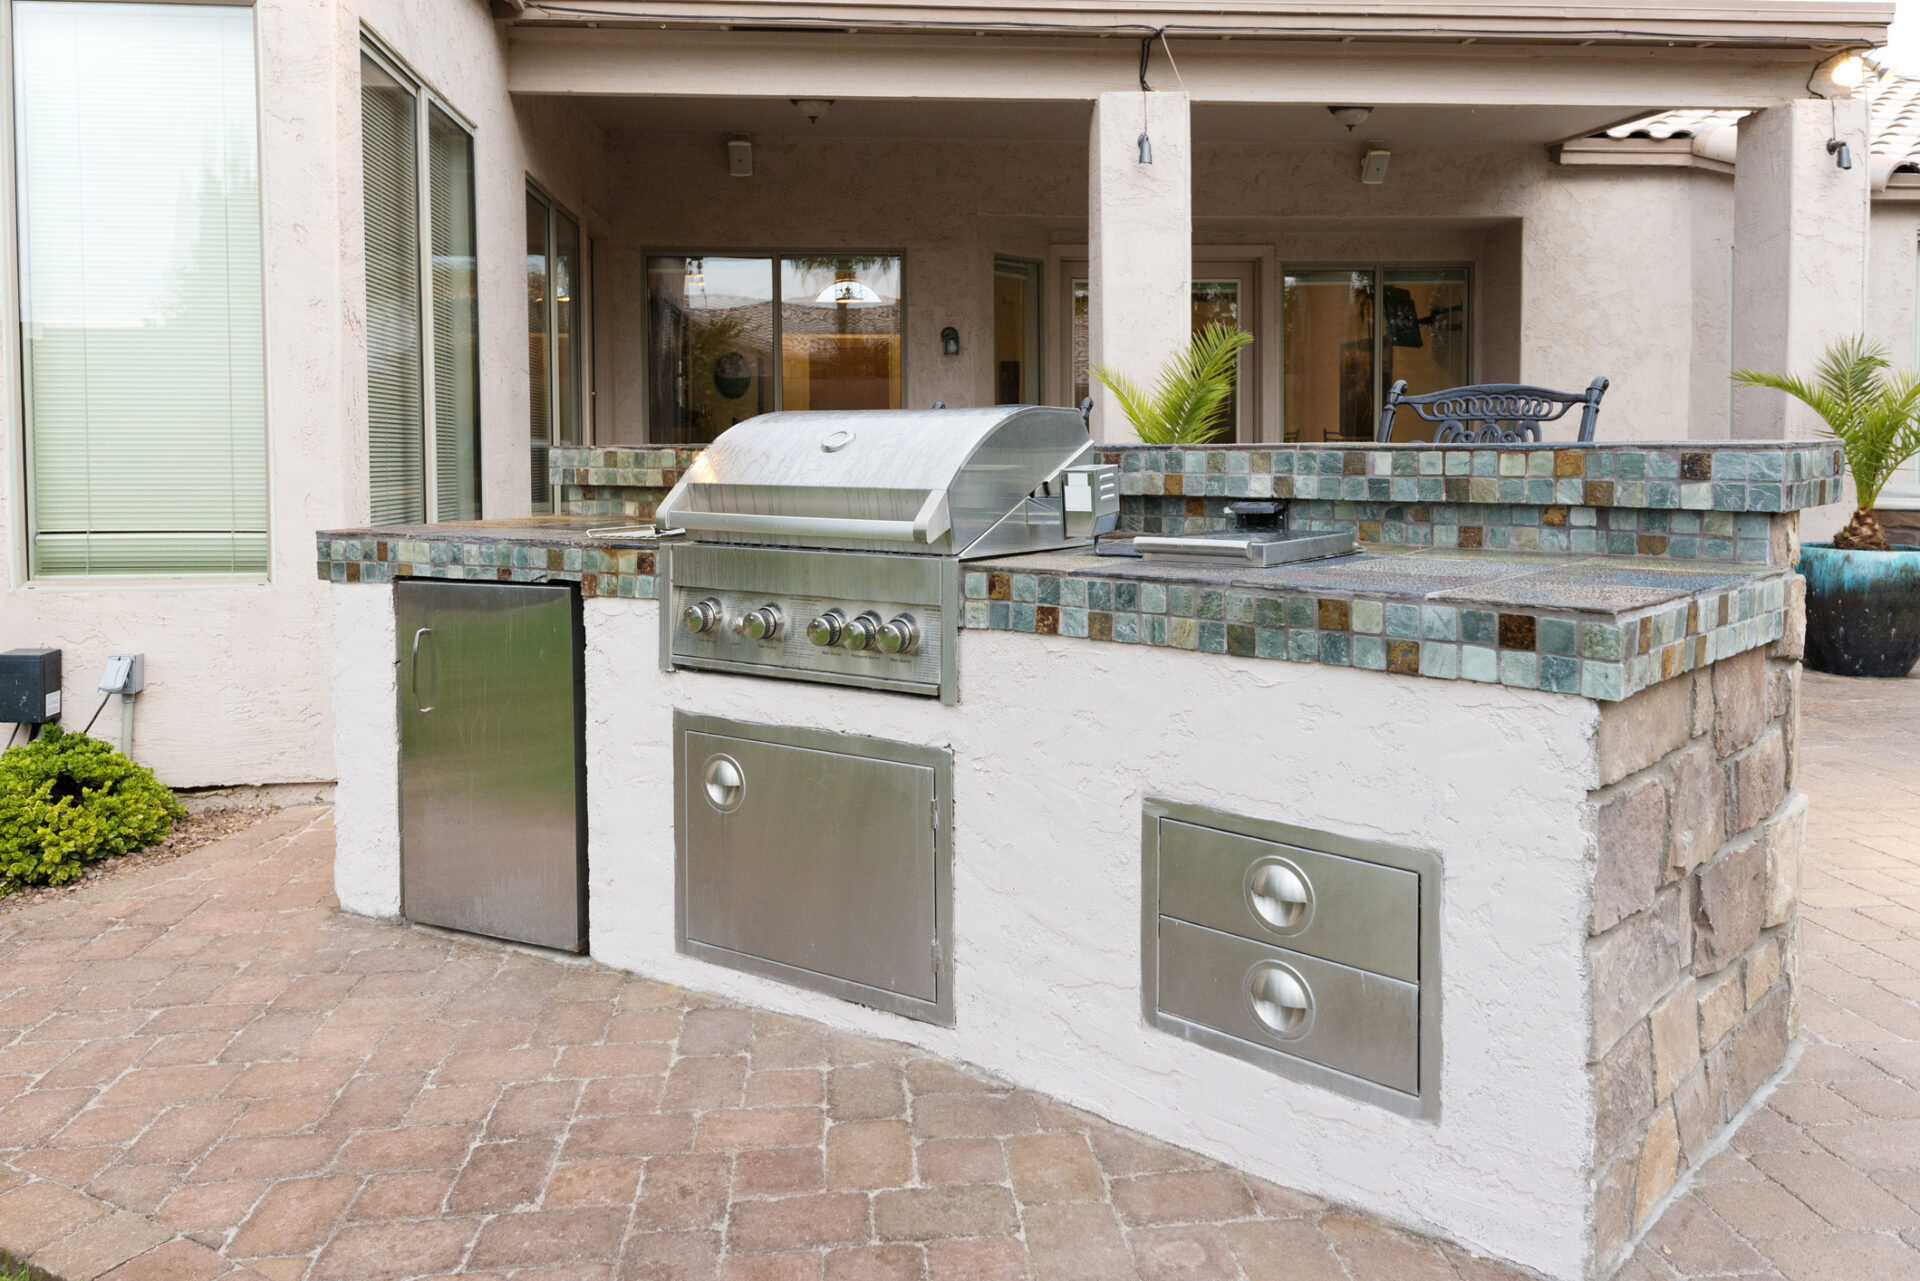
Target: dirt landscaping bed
[198,828]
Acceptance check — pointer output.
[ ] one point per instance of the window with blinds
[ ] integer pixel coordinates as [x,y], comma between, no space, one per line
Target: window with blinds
[423,374]
[553,337]
[137,160]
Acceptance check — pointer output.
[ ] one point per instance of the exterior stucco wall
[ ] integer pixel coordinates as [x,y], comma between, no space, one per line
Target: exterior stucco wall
[1051,762]
[1052,758]
[237,675]
[1578,272]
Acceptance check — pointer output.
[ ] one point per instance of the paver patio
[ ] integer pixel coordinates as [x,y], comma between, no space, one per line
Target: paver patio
[208,1072]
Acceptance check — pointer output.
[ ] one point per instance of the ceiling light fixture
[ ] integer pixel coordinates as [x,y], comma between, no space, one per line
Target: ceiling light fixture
[1351,117]
[812,108]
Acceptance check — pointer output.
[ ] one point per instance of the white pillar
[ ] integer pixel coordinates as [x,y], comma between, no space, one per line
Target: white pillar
[1140,242]
[1799,256]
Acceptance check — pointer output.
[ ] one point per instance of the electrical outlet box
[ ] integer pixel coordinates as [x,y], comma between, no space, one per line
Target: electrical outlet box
[125,674]
[30,686]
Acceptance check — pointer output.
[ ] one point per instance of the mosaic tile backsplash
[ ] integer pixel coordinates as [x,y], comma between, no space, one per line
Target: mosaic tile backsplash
[600,571]
[625,483]
[1596,655]
[1711,503]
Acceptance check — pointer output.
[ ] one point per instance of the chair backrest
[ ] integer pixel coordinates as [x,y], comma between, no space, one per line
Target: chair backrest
[1502,413]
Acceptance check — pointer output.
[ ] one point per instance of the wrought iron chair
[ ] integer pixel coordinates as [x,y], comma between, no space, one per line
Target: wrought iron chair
[1502,413]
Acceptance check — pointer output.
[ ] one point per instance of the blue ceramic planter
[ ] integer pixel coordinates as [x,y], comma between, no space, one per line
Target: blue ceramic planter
[1863,610]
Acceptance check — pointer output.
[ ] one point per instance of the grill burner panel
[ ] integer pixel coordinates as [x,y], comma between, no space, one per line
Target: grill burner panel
[803,585]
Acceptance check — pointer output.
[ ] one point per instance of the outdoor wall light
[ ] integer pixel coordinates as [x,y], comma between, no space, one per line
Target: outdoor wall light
[950,341]
[1351,117]
[740,156]
[1842,156]
[1373,167]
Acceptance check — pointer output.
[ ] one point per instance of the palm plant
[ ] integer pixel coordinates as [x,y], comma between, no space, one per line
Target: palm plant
[1188,402]
[1872,410]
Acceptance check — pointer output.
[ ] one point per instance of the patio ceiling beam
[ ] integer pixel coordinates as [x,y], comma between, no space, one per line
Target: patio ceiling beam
[1806,23]
[682,63]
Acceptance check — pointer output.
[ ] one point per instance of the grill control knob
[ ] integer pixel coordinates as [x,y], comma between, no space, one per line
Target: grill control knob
[900,635]
[827,629]
[763,623]
[862,631]
[702,616]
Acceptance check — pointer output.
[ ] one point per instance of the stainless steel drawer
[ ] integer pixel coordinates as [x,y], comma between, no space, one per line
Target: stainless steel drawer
[1362,1024]
[1313,955]
[1361,914]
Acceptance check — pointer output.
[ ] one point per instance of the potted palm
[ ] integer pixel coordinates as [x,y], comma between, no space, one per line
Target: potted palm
[1863,594]
[1187,405]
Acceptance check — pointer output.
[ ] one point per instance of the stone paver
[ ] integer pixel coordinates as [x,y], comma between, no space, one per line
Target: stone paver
[207,1071]
[1822,1183]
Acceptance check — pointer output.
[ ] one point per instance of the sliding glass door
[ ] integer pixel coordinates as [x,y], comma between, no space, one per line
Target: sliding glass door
[1351,332]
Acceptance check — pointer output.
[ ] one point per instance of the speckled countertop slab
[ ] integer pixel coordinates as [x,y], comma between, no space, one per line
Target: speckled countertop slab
[1601,627]
[1588,584]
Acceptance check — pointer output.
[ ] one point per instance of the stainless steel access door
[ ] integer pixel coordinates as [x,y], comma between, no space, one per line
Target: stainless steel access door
[820,859]
[492,760]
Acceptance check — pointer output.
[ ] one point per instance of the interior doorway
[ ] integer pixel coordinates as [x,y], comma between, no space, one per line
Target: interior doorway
[1016,332]
[1225,291]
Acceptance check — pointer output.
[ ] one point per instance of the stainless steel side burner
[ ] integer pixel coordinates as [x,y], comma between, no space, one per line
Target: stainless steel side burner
[826,546]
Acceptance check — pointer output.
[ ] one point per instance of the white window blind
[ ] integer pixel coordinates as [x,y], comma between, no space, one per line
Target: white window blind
[553,337]
[396,452]
[140,281]
[423,372]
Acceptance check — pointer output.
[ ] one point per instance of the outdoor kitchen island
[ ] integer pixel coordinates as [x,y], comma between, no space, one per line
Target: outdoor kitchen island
[1455,879]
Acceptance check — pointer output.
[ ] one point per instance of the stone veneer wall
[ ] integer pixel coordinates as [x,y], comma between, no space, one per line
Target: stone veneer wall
[1693,947]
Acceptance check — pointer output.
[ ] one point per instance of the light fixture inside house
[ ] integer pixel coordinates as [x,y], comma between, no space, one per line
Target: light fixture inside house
[812,108]
[1842,156]
[1351,117]
[950,341]
[849,293]
[1146,148]
[696,273]
[1373,167]
[740,156]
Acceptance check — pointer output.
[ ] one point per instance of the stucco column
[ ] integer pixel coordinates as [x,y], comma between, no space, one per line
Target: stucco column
[1799,255]
[1140,242]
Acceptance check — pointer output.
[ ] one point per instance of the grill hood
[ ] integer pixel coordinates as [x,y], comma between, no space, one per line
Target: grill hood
[937,482]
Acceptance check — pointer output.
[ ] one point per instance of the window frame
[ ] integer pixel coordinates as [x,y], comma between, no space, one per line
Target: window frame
[16,418]
[425,98]
[1378,267]
[582,367]
[775,258]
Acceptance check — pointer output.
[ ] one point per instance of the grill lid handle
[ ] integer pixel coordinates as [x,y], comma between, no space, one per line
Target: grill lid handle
[933,522]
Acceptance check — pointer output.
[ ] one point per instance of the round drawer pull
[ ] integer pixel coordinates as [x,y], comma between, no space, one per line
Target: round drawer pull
[1280,895]
[724,783]
[1281,1000]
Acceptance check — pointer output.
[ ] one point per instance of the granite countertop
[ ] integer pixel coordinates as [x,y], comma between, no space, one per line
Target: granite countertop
[1611,585]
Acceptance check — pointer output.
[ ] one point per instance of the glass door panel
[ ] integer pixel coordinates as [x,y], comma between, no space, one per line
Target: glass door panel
[539,373]
[1016,332]
[1424,337]
[1328,370]
[710,345]
[840,330]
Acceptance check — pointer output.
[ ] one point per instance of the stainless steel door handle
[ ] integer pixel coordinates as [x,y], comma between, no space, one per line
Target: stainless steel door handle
[1279,894]
[413,671]
[724,783]
[1281,1000]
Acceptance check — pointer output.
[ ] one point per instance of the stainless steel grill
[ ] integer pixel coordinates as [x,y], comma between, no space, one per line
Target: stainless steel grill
[826,546]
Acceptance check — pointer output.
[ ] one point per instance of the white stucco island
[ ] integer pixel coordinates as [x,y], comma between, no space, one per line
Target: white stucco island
[1571,773]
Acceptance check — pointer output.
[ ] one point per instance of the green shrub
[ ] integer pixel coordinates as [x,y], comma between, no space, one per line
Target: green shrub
[67,800]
